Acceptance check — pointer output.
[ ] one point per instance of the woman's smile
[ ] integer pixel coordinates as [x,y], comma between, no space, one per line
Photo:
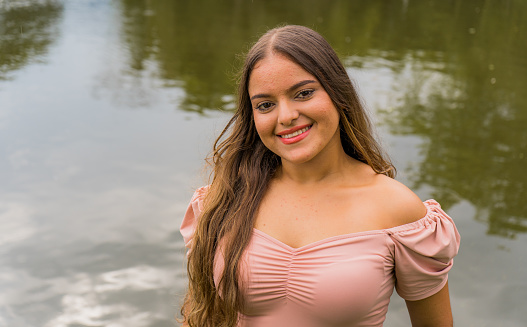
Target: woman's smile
[294,135]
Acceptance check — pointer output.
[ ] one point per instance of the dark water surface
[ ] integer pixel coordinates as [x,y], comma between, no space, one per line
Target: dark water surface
[108,108]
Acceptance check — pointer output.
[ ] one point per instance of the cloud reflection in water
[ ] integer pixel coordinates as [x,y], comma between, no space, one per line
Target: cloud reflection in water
[99,301]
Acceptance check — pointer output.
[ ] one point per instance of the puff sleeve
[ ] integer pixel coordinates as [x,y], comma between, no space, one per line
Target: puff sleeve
[424,252]
[190,221]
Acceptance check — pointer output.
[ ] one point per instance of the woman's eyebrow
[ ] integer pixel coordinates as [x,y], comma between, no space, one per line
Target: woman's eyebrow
[297,85]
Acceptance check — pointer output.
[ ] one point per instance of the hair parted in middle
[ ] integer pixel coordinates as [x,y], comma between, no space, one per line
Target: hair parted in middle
[243,166]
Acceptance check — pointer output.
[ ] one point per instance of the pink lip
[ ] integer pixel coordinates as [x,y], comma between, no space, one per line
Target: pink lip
[294,139]
[292,130]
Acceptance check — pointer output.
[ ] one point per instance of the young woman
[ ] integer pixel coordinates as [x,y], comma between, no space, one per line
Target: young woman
[303,223]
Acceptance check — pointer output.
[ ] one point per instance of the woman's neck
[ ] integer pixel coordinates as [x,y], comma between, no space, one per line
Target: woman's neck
[323,169]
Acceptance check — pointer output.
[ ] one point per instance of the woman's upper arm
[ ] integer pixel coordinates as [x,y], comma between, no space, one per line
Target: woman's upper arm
[433,311]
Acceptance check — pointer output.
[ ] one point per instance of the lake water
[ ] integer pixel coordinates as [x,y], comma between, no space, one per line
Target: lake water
[108,109]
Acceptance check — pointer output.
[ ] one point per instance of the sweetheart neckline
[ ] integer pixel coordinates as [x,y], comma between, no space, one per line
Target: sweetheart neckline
[430,204]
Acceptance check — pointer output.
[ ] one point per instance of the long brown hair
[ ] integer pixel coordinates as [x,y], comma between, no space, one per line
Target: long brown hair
[243,167]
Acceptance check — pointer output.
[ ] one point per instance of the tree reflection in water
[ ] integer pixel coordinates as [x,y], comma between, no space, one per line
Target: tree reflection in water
[27,28]
[471,119]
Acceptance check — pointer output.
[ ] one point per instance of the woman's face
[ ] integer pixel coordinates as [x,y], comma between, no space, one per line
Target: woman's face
[293,114]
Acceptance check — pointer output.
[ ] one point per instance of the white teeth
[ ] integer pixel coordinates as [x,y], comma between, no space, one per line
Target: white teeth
[300,131]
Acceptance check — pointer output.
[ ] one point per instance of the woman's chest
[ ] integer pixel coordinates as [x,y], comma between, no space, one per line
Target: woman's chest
[338,278]
[300,220]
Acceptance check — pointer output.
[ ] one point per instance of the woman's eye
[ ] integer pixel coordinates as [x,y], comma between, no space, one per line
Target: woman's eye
[264,106]
[304,94]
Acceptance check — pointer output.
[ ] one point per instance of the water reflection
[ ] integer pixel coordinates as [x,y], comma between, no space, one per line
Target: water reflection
[27,28]
[97,300]
[196,44]
[469,108]
[474,148]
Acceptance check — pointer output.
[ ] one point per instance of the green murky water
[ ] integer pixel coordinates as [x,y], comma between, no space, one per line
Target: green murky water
[107,110]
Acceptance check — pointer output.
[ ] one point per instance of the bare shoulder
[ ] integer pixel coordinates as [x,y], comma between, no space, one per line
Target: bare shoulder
[399,204]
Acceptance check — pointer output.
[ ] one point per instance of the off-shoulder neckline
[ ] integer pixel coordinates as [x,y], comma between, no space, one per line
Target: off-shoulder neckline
[430,205]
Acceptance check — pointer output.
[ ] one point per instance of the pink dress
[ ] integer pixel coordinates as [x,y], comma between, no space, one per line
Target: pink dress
[344,280]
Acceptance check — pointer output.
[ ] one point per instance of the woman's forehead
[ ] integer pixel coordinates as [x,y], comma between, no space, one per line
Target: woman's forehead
[277,71]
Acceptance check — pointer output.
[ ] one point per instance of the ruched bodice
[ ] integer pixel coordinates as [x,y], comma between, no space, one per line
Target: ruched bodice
[345,280]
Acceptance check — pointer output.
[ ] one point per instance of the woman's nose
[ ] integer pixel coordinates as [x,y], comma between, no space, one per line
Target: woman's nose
[287,113]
